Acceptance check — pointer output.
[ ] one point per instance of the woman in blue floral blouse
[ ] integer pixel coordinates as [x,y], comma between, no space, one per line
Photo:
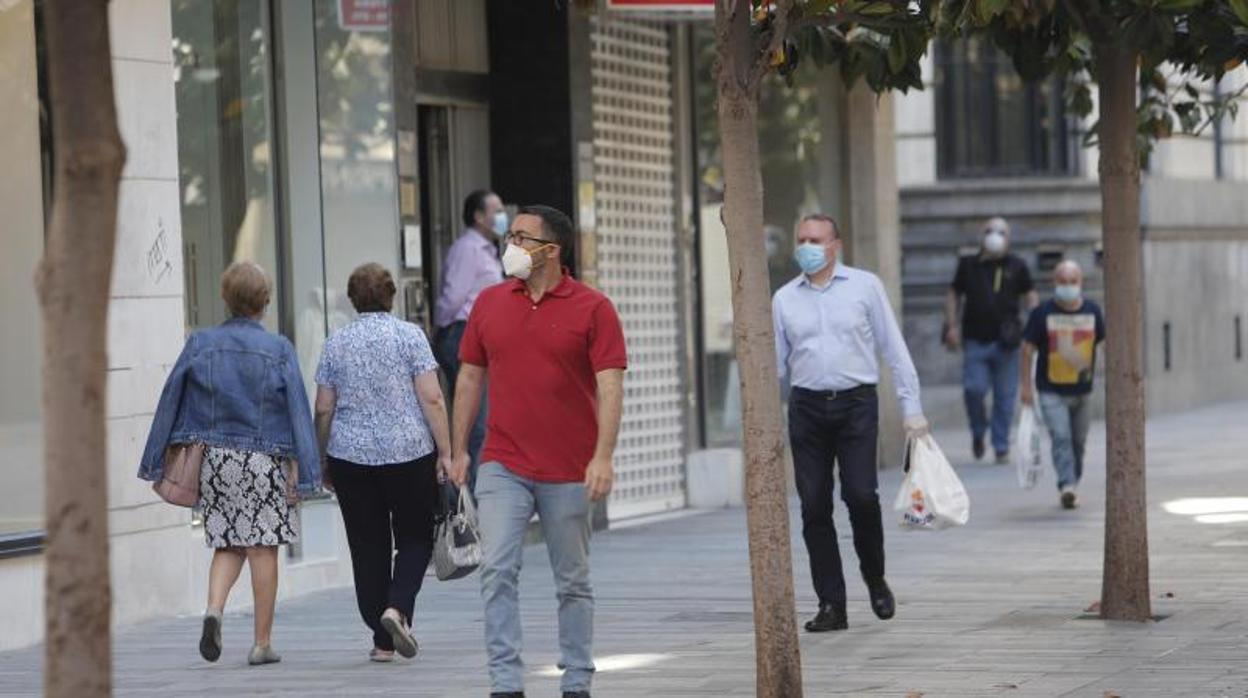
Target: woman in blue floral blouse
[382,423]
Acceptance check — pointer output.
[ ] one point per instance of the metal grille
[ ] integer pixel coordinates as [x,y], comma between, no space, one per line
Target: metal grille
[638,267]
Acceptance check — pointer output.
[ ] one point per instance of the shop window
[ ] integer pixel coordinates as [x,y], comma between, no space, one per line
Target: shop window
[990,123]
[359,199]
[25,189]
[790,132]
[223,82]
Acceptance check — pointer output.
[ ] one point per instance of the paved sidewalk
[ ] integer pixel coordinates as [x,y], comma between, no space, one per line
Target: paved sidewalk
[993,609]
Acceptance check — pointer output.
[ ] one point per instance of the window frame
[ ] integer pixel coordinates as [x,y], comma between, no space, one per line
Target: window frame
[1050,155]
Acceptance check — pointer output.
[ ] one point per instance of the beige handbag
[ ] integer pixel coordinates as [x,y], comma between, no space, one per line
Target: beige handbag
[179,484]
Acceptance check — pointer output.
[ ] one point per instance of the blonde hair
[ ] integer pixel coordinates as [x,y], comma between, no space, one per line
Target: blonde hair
[245,288]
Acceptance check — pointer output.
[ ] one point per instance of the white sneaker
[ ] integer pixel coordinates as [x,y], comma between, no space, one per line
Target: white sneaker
[404,643]
[1070,500]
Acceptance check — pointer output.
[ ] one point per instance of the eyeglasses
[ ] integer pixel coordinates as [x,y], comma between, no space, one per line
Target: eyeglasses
[516,238]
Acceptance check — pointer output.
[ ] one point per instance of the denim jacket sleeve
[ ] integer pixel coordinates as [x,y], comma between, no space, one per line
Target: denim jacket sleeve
[306,449]
[152,465]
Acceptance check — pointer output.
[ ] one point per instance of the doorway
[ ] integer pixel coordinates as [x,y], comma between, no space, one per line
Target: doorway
[454,159]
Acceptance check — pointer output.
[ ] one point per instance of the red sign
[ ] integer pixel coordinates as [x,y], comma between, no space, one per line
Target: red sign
[691,6]
[364,15]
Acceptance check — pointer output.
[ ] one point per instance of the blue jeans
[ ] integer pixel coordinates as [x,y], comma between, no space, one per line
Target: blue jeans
[446,349]
[988,366]
[505,502]
[1067,418]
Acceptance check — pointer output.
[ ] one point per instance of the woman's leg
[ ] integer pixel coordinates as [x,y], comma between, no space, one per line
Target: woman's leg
[361,500]
[411,495]
[263,562]
[227,563]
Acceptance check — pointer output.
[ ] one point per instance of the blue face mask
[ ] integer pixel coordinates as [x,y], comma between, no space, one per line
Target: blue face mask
[811,257]
[500,223]
[1067,293]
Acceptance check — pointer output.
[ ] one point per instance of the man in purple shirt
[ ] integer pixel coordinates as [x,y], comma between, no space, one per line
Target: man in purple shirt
[472,265]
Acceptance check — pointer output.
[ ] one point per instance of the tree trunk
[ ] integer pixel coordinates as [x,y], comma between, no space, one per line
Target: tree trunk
[1124,585]
[777,655]
[73,283]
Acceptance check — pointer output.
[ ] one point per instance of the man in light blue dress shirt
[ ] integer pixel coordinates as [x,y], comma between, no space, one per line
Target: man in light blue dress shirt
[831,324]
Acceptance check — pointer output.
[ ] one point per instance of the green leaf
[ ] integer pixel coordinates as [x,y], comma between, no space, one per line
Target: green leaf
[987,10]
[1240,8]
[896,55]
[876,9]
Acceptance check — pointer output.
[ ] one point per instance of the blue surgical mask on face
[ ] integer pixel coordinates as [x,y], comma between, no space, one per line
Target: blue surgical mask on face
[811,257]
[1067,293]
[500,223]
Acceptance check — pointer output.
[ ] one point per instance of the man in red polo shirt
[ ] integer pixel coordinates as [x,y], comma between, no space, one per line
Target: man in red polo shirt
[553,351]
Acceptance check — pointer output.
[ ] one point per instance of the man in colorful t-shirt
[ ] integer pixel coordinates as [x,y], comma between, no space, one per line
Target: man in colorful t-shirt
[1063,333]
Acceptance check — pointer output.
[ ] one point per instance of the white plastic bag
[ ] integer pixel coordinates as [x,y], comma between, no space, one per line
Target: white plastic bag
[1027,453]
[931,496]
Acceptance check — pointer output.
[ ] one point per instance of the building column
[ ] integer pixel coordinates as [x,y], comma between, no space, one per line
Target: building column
[858,185]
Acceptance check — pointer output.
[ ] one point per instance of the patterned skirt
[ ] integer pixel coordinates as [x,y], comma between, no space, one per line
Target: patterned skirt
[243,497]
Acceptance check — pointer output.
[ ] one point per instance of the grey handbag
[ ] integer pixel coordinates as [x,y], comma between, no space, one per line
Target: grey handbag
[457,543]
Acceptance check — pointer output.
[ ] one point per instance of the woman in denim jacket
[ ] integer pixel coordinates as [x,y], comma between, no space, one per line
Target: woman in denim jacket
[237,389]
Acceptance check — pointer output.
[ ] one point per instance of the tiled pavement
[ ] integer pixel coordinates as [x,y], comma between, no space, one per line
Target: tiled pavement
[993,609]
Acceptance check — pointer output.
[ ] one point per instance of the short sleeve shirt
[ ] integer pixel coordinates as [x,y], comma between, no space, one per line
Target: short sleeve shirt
[1065,344]
[992,288]
[541,361]
[371,365]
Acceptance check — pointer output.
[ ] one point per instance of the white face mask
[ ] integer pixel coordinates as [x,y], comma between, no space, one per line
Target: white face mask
[500,223]
[994,243]
[517,262]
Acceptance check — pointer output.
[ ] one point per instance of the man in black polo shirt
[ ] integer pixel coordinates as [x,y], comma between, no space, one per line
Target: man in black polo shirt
[989,286]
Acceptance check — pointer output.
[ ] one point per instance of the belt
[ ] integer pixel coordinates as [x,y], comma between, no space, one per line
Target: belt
[868,389]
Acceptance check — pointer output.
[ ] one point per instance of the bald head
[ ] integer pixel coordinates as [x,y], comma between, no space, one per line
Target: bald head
[1068,272]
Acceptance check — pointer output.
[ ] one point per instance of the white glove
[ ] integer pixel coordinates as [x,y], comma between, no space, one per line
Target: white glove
[916,426]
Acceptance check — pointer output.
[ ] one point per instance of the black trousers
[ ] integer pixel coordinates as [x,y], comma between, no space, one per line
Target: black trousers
[824,429]
[387,509]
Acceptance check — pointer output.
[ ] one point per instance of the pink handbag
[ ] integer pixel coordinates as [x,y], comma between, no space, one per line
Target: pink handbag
[179,484]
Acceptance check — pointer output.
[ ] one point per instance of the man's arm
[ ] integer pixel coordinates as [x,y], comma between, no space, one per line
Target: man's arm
[326,399]
[459,276]
[467,400]
[600,474]
[1027,392]
[952,336]
[782,339]
[892,346]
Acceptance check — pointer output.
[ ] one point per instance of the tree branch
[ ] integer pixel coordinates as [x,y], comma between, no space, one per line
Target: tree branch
[775,41]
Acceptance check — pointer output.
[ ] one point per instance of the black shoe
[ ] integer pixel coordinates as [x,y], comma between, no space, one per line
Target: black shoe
[1003,457]
[210,639]
[977,447]
[882,601]
[830,617]
[507,694]
[576,694]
